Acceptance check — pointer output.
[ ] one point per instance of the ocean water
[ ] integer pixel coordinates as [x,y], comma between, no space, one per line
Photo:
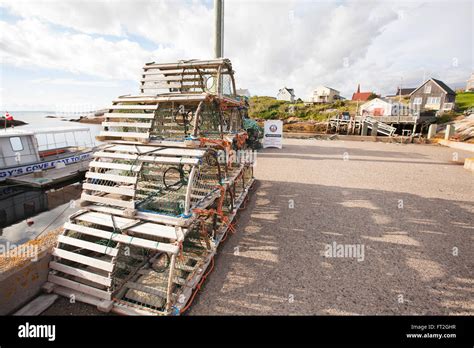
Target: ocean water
[38,119]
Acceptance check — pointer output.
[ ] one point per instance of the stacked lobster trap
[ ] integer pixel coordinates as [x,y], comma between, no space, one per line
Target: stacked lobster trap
[160,195]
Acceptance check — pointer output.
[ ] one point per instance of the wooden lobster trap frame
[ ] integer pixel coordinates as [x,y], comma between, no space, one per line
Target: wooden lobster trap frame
[157,199]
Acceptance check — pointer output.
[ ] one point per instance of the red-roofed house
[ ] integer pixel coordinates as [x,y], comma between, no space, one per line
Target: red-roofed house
[361,96]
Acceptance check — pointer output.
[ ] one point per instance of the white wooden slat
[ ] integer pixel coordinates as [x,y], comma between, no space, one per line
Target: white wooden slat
[158,218]
[155,71]
[80,287]
[104,209]
[127,124]
[185,78]
[112,177]
[121,238]
[148,228]
[144,135]
[79,296]
[128,115]
[158,85]
[106,220]
[164,219]
[88,245]
[93,277]
[107,200]
[126,191]
[206,64]
[162,151]
[131,107]
[145,158]
[155,230]
[85,260]
[118,166]
[178,86]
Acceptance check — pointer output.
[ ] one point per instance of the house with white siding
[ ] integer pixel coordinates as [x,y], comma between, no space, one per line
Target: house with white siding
[323,94]
[286,94]
[384,107]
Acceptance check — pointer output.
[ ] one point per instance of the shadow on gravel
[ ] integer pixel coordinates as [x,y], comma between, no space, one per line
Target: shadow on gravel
[418,255]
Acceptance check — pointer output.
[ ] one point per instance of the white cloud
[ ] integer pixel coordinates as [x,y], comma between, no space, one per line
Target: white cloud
[72,82]
[31,42]
[299,44]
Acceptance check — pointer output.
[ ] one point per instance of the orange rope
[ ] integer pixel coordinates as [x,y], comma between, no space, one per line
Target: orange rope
[198,287]
[180,255]
[241,139]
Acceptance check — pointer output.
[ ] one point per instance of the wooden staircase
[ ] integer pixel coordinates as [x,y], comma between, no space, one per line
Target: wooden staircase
[382,128]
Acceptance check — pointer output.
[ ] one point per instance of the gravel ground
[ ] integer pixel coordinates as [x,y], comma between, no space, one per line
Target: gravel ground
[410,207]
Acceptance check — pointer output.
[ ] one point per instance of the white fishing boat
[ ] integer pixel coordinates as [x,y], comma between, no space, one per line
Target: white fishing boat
[43,157]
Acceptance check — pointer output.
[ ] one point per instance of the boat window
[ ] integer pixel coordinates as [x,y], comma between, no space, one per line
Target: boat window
[16,144]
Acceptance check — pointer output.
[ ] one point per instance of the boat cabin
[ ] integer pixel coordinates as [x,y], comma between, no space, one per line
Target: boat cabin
[25,151]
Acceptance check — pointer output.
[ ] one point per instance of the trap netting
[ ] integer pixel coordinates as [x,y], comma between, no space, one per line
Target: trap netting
[177,120]
[164,280]
[152,179]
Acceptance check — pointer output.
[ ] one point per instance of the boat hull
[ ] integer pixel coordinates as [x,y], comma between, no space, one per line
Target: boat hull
[9,172]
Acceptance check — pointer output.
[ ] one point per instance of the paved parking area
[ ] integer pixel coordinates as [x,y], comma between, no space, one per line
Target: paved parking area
[402,217]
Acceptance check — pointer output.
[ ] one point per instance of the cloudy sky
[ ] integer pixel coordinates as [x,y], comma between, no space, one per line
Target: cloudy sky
[57,54]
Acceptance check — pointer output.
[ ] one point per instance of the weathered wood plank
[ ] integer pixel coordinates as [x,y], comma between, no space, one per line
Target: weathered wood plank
[144,135]
[126,191]
[93,277]
[85,260]
[107,200]
[88,245]
[127,124]
[157,78]
[148,228]
[148,158]
[131,107]
[121,238]
[157,85]
[112,177]
[118,166]
[37,306]
[157,150]
[128,115]
[80,287]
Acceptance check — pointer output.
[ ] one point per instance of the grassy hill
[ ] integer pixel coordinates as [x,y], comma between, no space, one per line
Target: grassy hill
[269,108]
[464,101]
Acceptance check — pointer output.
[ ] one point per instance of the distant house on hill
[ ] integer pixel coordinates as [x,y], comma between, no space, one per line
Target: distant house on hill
[361,96]
[432,95]
[383,107]
[243,92]
[286,94]
[470,84]
[402,92]
[323,94]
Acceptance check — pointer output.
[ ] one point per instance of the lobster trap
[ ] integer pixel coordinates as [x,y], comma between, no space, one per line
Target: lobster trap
[159,196]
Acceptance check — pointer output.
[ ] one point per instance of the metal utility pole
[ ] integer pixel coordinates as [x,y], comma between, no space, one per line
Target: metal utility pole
[218,28]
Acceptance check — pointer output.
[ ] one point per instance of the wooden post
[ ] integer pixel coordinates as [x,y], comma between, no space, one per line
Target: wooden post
[170,283]
[218,29]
